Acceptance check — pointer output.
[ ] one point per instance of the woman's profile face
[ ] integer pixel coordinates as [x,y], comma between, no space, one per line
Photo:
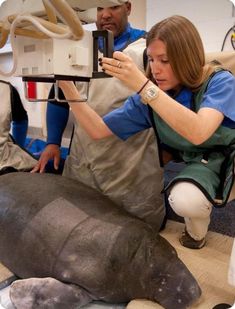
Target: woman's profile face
[160,66]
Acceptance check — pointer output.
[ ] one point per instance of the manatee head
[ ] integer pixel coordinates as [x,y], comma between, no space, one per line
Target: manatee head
[172,285]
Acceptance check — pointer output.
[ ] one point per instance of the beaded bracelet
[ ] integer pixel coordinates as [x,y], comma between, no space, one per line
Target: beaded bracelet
[143,86]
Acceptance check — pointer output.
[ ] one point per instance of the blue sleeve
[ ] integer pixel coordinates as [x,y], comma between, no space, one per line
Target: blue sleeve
[19,131]
[56,118]
[220,94]
[131,118]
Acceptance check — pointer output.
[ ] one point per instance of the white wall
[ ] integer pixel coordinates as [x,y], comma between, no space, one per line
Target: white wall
[213,18]
[138,14]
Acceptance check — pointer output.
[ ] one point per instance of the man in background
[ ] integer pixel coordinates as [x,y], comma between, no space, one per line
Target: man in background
[127,172]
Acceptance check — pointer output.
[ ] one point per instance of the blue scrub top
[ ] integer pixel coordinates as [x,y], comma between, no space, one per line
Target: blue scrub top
[133,116]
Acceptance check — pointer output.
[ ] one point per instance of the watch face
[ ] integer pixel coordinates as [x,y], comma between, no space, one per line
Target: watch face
[149,94]
[152,92]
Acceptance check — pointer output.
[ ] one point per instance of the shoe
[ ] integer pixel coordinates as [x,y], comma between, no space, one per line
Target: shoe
[187,241]
[222,306]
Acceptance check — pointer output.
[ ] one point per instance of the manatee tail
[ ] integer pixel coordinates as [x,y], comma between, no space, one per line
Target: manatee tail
[47,293]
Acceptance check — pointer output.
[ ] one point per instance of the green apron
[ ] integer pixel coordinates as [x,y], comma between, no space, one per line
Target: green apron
[210,166]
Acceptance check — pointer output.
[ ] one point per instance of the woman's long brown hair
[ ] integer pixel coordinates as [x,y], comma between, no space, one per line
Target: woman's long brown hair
[184,48]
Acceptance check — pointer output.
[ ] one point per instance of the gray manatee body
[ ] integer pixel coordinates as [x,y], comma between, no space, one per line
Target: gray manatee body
[78,247]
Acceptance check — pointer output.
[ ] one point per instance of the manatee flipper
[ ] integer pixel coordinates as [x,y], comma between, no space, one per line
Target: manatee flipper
[47,293]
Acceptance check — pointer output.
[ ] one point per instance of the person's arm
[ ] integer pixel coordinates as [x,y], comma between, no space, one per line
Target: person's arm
[195,127]
[19,124]
[57,116]
[56,119]
[91,122]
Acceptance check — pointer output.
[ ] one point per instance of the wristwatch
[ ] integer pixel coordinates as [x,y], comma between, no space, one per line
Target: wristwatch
[149,93]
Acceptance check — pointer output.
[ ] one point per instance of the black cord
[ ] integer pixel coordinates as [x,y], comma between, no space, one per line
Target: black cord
[225,38]
[143,86]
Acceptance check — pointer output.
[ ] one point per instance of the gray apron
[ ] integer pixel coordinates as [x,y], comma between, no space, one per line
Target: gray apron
[127,172]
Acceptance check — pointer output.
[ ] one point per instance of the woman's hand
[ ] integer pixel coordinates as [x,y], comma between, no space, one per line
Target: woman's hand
[122,67]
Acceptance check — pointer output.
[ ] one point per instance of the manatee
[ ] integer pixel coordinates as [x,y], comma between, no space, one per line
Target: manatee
[70,245]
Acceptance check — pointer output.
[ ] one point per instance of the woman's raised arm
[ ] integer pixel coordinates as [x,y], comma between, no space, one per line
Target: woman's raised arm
[91,122]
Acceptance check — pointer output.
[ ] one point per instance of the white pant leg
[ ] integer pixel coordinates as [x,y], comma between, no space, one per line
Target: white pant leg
[189,202]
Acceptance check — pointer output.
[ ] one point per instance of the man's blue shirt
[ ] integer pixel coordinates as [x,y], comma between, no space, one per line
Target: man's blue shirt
[127,37]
